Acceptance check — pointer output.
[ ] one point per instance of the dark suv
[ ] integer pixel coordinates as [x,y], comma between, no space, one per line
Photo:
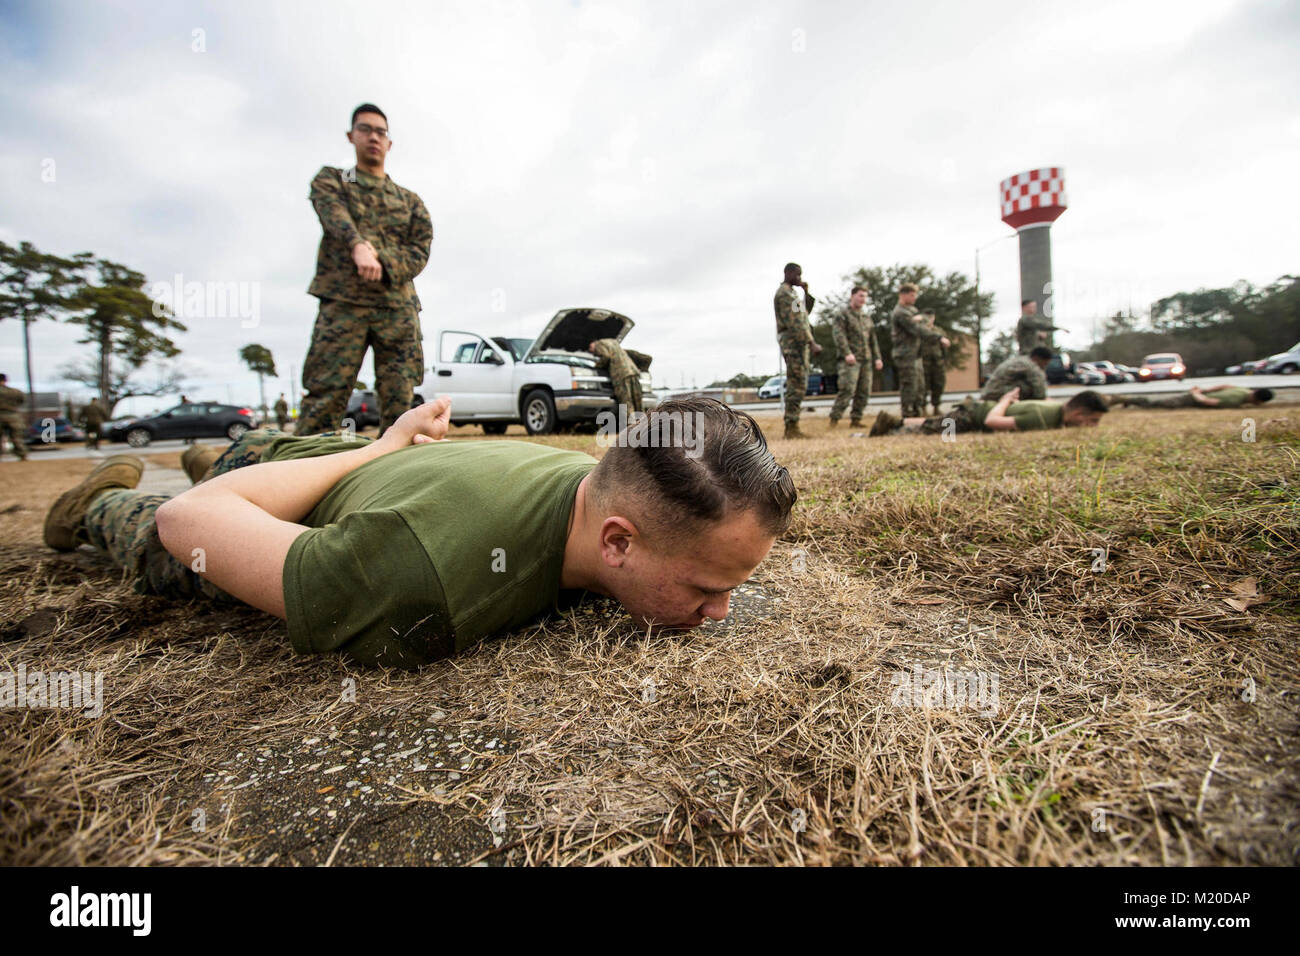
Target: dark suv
[189,420]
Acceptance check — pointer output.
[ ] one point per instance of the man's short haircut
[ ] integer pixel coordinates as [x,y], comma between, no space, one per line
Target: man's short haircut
[1025,302]
[671,491]
[1263,394]
[907,287]
[793,267]
[367,108]
[1088,400]
[3,377]
[1041,352]
[856,289]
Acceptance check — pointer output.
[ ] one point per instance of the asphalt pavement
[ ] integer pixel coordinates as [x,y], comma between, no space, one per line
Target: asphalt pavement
[886,400]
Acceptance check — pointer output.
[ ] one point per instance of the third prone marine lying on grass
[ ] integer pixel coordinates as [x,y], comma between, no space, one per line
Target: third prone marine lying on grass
[402,550]
[1008,414]
[1217,396]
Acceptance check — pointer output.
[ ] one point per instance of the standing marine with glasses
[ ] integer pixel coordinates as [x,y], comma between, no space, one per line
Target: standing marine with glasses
[376,241]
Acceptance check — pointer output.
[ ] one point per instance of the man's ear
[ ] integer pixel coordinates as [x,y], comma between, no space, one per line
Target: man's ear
[617,535]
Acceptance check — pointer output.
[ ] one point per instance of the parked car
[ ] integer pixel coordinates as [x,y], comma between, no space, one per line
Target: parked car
[51,431]
[1134,374]
[1283,363]
[363,409]
[819,384]
[774,387]
[1247,368]
[1115,374]
[1165,365]
[1059,370]
[187,420]
[1086,374]
[547,383]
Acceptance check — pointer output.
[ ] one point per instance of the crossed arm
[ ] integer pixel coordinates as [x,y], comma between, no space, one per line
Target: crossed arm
[997,419]
[243,522]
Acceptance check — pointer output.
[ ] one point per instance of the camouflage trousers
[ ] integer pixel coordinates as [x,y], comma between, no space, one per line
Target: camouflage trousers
[120,523]
[627,392]
[1182,400]
[92,436]
[910,385]
[936,379]
[960,419]
[855,385]
[796,380]
[12,428]
[339,341]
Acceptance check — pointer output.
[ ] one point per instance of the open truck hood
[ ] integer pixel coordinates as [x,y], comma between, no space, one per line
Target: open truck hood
[572,330]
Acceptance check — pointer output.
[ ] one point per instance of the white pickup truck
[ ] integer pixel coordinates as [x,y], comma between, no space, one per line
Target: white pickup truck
[550,383]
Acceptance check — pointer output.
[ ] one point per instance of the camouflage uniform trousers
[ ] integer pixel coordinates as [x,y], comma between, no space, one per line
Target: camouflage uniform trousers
[92,435]
[960,419]
[12,428]
[796,380]
[936,379]
[120,523]
[910,384]
[855,384]
[627,392]
[339,341]
[1183,400]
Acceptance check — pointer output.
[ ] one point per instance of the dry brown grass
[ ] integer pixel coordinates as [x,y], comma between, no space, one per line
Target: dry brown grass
[1119,690]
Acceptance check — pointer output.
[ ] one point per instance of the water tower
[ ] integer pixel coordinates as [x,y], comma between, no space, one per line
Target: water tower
[1031,202]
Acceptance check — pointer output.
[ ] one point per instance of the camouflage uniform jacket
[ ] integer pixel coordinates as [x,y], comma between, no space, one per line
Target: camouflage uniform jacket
[1019,372]
[792,304]
[610,352]
[933,348]
[908,332]
[12,402]
[352,207]
[855,334]
[1027,330]
[93,414]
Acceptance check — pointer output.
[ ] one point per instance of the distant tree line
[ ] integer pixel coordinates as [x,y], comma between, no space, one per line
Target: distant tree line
[1210,328]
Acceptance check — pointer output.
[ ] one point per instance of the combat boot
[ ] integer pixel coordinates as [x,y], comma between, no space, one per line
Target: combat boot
[63,531]
[197,460]
[792,431]
[833,423]
[855,422]
[884,424]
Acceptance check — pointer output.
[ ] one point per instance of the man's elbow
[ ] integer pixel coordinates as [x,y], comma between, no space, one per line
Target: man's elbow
[168,522]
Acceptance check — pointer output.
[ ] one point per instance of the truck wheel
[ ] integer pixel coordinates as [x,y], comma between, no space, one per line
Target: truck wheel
[1288,369]
[236,431]
[539,412]
[138,437]
[494,428]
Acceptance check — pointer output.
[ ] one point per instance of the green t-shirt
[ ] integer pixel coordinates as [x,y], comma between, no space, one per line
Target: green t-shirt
[1030,415]
[1233,397]
[428,549]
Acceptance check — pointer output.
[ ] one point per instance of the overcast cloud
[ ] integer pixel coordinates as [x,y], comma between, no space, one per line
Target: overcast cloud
[660,159]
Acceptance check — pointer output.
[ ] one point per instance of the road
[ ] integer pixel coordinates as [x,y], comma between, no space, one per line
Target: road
[77,450]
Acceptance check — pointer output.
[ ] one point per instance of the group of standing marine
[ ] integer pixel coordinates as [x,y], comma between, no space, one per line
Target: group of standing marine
[919,351]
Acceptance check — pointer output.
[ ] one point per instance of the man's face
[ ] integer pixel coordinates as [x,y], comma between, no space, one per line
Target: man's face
[907,298]
[794,276]
[858,299]
[369,134]
[1029,308]
[678,587]
[1081,418]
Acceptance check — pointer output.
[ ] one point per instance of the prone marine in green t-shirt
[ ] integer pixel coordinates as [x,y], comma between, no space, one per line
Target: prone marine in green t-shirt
[1216,396]
[1009,413]
[405,549]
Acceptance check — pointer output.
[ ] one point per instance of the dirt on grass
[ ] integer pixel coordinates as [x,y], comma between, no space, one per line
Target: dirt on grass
[1072,647]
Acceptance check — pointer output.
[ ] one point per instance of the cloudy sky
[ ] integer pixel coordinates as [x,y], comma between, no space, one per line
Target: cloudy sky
[661,159]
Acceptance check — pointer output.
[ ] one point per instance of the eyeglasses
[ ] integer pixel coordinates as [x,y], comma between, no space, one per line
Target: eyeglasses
[365,129]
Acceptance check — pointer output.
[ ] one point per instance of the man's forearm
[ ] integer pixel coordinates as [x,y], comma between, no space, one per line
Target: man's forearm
[242,524]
